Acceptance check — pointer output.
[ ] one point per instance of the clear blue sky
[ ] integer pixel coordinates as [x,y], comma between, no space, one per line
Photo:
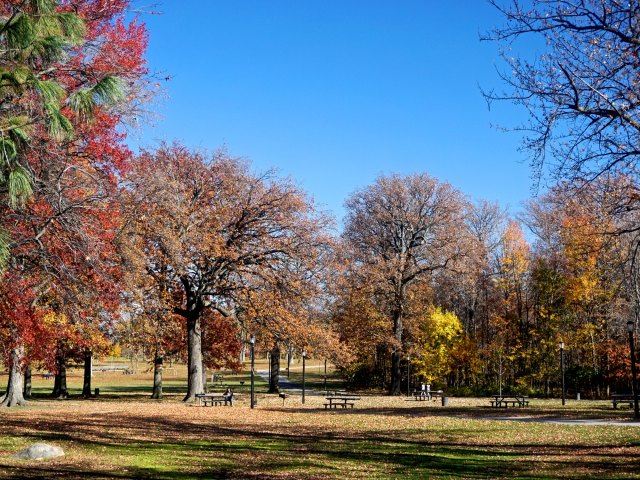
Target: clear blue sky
[334,93]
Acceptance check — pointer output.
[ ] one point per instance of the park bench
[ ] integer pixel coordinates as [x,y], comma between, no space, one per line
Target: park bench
[342,401]
[214,399]
[509,400]
[617,398]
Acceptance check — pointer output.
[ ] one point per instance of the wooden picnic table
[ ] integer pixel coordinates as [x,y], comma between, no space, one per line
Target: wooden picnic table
[506,400]
[617,398]
[211,399]
[427,394]
[343,401]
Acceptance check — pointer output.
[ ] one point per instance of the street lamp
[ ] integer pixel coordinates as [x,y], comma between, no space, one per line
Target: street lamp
[564,392]
[252,340]
[634,382]
[304,357]
[408,373]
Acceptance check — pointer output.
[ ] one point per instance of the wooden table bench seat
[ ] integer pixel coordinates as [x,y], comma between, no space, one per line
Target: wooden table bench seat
[624,398]
[214,399]
[340,401]
[505,401]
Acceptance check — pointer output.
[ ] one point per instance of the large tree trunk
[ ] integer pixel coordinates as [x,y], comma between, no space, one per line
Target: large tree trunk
[194,362]
[157,376]
[396,373]
[14,394]
[60,381]
[274,379]
[86,384]
[27,383]
[205,385]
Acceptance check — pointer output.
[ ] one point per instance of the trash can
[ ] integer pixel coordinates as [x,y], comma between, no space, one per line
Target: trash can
[578,396]
[445,401]
[97,390]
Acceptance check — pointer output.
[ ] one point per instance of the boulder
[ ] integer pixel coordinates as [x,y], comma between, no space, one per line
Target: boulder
[39,451]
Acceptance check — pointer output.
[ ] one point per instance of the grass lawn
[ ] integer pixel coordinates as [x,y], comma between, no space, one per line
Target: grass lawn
[123,434]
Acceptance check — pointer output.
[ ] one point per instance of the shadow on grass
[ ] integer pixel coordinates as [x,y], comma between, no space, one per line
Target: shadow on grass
[181,449]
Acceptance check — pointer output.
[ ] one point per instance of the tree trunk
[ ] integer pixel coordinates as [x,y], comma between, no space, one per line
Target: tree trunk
[60,381]
[396,373]
[14,394]
[86,384]
[157,376]
[274,379]
[27,383]
[194,360]
[289,358]
[205,385]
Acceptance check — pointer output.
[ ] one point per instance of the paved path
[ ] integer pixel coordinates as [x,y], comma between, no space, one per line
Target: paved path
[567,421]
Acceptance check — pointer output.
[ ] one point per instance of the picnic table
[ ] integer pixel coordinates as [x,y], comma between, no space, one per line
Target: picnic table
[617,398]
[211,399]
[427,394]
[343,401]
[506,400]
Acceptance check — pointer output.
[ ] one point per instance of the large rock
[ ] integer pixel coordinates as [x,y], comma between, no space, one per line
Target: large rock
[39,451]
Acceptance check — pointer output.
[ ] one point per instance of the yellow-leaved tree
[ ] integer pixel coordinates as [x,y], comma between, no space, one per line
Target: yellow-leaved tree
[438,334]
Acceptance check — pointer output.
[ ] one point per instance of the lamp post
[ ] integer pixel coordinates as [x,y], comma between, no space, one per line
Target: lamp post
[304,357]
[252,340]
[634,382]
[564,392]
[325,375]
[408,373]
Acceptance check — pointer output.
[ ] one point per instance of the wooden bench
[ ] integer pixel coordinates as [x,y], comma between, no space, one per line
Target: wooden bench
[509,400]
[214,399]
[617,398]
[421,394]
[340,401]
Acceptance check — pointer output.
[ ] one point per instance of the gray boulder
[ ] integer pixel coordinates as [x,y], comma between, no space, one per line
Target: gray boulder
[39,451]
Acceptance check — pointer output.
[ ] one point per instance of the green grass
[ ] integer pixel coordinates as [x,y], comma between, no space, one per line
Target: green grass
[123,434]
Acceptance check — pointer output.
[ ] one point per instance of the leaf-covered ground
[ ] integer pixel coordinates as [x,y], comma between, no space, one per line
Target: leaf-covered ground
[132,437]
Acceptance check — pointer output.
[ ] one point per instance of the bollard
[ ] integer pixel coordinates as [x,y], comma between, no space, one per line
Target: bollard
[445,401]
[97,391]
[578,396]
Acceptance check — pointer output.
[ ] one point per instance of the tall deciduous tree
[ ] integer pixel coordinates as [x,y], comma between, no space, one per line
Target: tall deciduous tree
[208,230]
[398,232]
[582,90]
[65,69]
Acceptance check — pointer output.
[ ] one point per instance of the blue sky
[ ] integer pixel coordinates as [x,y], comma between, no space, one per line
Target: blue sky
[334,93]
